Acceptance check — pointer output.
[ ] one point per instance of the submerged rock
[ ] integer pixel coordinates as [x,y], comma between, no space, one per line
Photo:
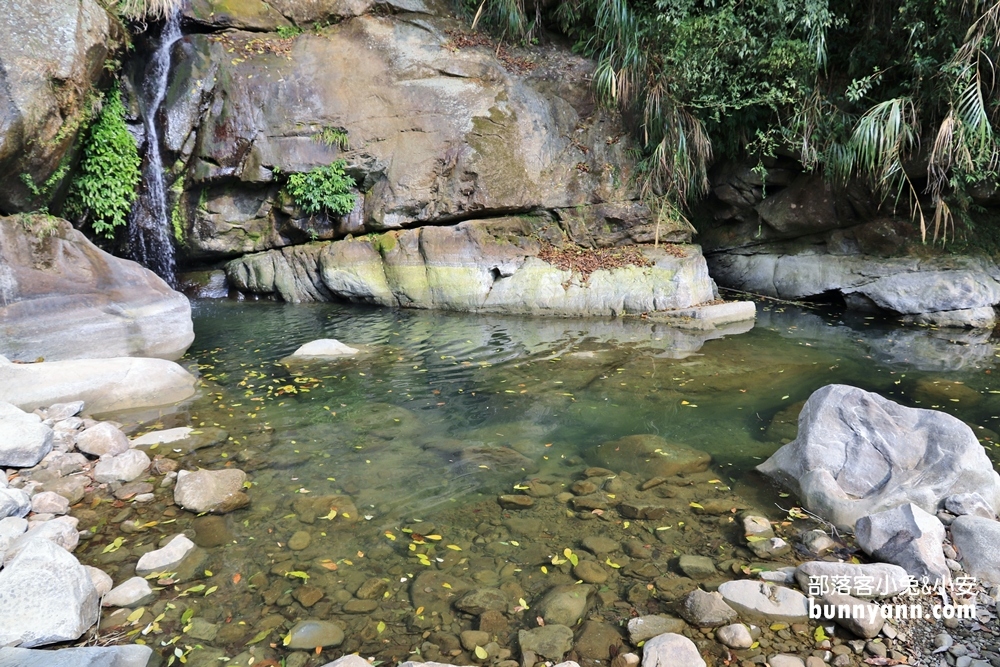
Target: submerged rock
[551,641]
[650,455]
[565,605]
[858,454]
[308,635]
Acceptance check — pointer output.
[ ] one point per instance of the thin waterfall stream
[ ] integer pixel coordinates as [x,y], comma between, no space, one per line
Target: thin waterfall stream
[149,227]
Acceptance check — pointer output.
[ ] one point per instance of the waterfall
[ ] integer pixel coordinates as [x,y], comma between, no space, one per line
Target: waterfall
[149,229]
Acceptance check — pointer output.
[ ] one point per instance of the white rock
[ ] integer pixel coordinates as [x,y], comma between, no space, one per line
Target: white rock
[134,592]
[48,502]
[60,531]
[165,559]
[163,437]
[642,628]
[102,580]
[62,411]
[24,439]
[104,439]
[106,385]
[328,348]
[785,660]
[735,636]
[351,660]
[216,491]
[14,502]
[671,650]
[765,602]
[125,467]
[131,655]
[46,596]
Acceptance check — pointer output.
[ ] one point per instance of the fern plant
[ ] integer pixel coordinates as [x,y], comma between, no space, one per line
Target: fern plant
[104,188]
[323,190]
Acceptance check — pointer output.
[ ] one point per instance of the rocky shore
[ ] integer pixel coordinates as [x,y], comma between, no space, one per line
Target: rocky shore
[648,583]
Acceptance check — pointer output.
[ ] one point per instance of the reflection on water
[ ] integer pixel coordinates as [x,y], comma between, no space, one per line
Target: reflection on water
[444,411]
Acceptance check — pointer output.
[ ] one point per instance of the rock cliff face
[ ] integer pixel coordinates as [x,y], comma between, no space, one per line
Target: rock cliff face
[475,266]
[432,125]
[63,298]
[51,55]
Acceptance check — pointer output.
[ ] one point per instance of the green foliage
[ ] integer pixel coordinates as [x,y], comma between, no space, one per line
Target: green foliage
[44,190]
[333,136]
[105,185]
[323,190]
[855,89]
[288,31]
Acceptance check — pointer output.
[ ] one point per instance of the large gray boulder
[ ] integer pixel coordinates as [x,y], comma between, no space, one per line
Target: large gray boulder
[24,439]
[131,655]
[948,291]
[107,385]
[976,540]
[906,536]
[61,297]
[46,597]
[858,454]
[50,47]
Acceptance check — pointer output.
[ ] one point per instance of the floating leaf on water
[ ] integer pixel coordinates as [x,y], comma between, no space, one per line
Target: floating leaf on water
[572,557]
[545,570]
[697,506]
[609,563]
[783,495]
[664,528]
[208,573]
[419,611]
[211,590]
[298,573]
[434,537]
[136,615]
[446,585]
[481,653]
[380,627]
[259,637]
[114,546]
[515,543]
[454,547]
[287,639]
[625,524]
[187,615]
[521,487]
[714,481]
[556,560]
[237,577]
[523,604]
[390,536]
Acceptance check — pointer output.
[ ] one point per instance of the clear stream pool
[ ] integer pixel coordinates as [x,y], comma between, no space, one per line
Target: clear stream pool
[442,412]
